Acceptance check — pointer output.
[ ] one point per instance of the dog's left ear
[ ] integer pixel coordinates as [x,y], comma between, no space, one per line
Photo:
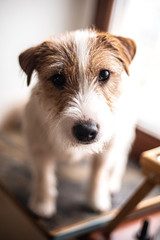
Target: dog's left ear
[127,51]
[27,61]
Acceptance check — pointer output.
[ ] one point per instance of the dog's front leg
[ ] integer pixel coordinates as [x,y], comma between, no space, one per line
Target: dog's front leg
[99,195]
[43,198]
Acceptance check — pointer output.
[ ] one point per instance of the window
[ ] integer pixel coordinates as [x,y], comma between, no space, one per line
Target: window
[140,20]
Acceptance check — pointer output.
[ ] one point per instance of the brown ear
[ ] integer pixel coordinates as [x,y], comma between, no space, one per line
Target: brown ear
[123,48]
[129,47]
[127,51]
[27,61]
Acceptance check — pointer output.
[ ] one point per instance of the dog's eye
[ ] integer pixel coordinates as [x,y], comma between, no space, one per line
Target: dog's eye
[58,80]
[103,76]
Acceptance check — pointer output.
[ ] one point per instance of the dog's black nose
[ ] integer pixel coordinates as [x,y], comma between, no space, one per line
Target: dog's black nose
[85,132]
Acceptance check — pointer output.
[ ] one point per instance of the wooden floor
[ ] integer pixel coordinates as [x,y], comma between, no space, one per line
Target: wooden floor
[15,174]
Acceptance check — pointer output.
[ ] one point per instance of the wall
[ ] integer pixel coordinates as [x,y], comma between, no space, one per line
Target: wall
[24,23]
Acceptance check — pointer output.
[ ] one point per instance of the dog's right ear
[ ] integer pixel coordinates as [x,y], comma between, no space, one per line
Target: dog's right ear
[27,61]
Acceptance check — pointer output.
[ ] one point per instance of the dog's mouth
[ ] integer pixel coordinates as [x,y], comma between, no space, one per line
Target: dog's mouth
[86,142]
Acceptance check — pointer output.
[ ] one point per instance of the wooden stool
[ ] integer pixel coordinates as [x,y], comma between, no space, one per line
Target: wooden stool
[150,162]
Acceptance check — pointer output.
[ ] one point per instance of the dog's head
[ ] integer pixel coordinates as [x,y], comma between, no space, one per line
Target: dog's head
[80,83]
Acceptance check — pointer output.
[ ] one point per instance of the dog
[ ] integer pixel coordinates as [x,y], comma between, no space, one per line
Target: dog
[81,107]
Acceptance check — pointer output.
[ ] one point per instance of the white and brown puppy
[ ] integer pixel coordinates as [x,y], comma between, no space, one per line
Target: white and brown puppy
[80,107]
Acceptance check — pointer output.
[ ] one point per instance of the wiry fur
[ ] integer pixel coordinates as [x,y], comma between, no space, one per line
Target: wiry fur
[51,113]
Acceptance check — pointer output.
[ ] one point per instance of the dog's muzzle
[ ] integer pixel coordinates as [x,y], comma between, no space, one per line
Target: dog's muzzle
[85,132]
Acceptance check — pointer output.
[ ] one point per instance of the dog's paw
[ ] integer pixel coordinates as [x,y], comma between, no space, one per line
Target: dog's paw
[114,185]
[45,209]
[100,203]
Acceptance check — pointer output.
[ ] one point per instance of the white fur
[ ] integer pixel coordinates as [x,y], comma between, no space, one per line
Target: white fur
[83,47]
[89,106]
[83,51]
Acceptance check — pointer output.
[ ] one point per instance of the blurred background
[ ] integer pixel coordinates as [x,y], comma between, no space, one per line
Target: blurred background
[27,23]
